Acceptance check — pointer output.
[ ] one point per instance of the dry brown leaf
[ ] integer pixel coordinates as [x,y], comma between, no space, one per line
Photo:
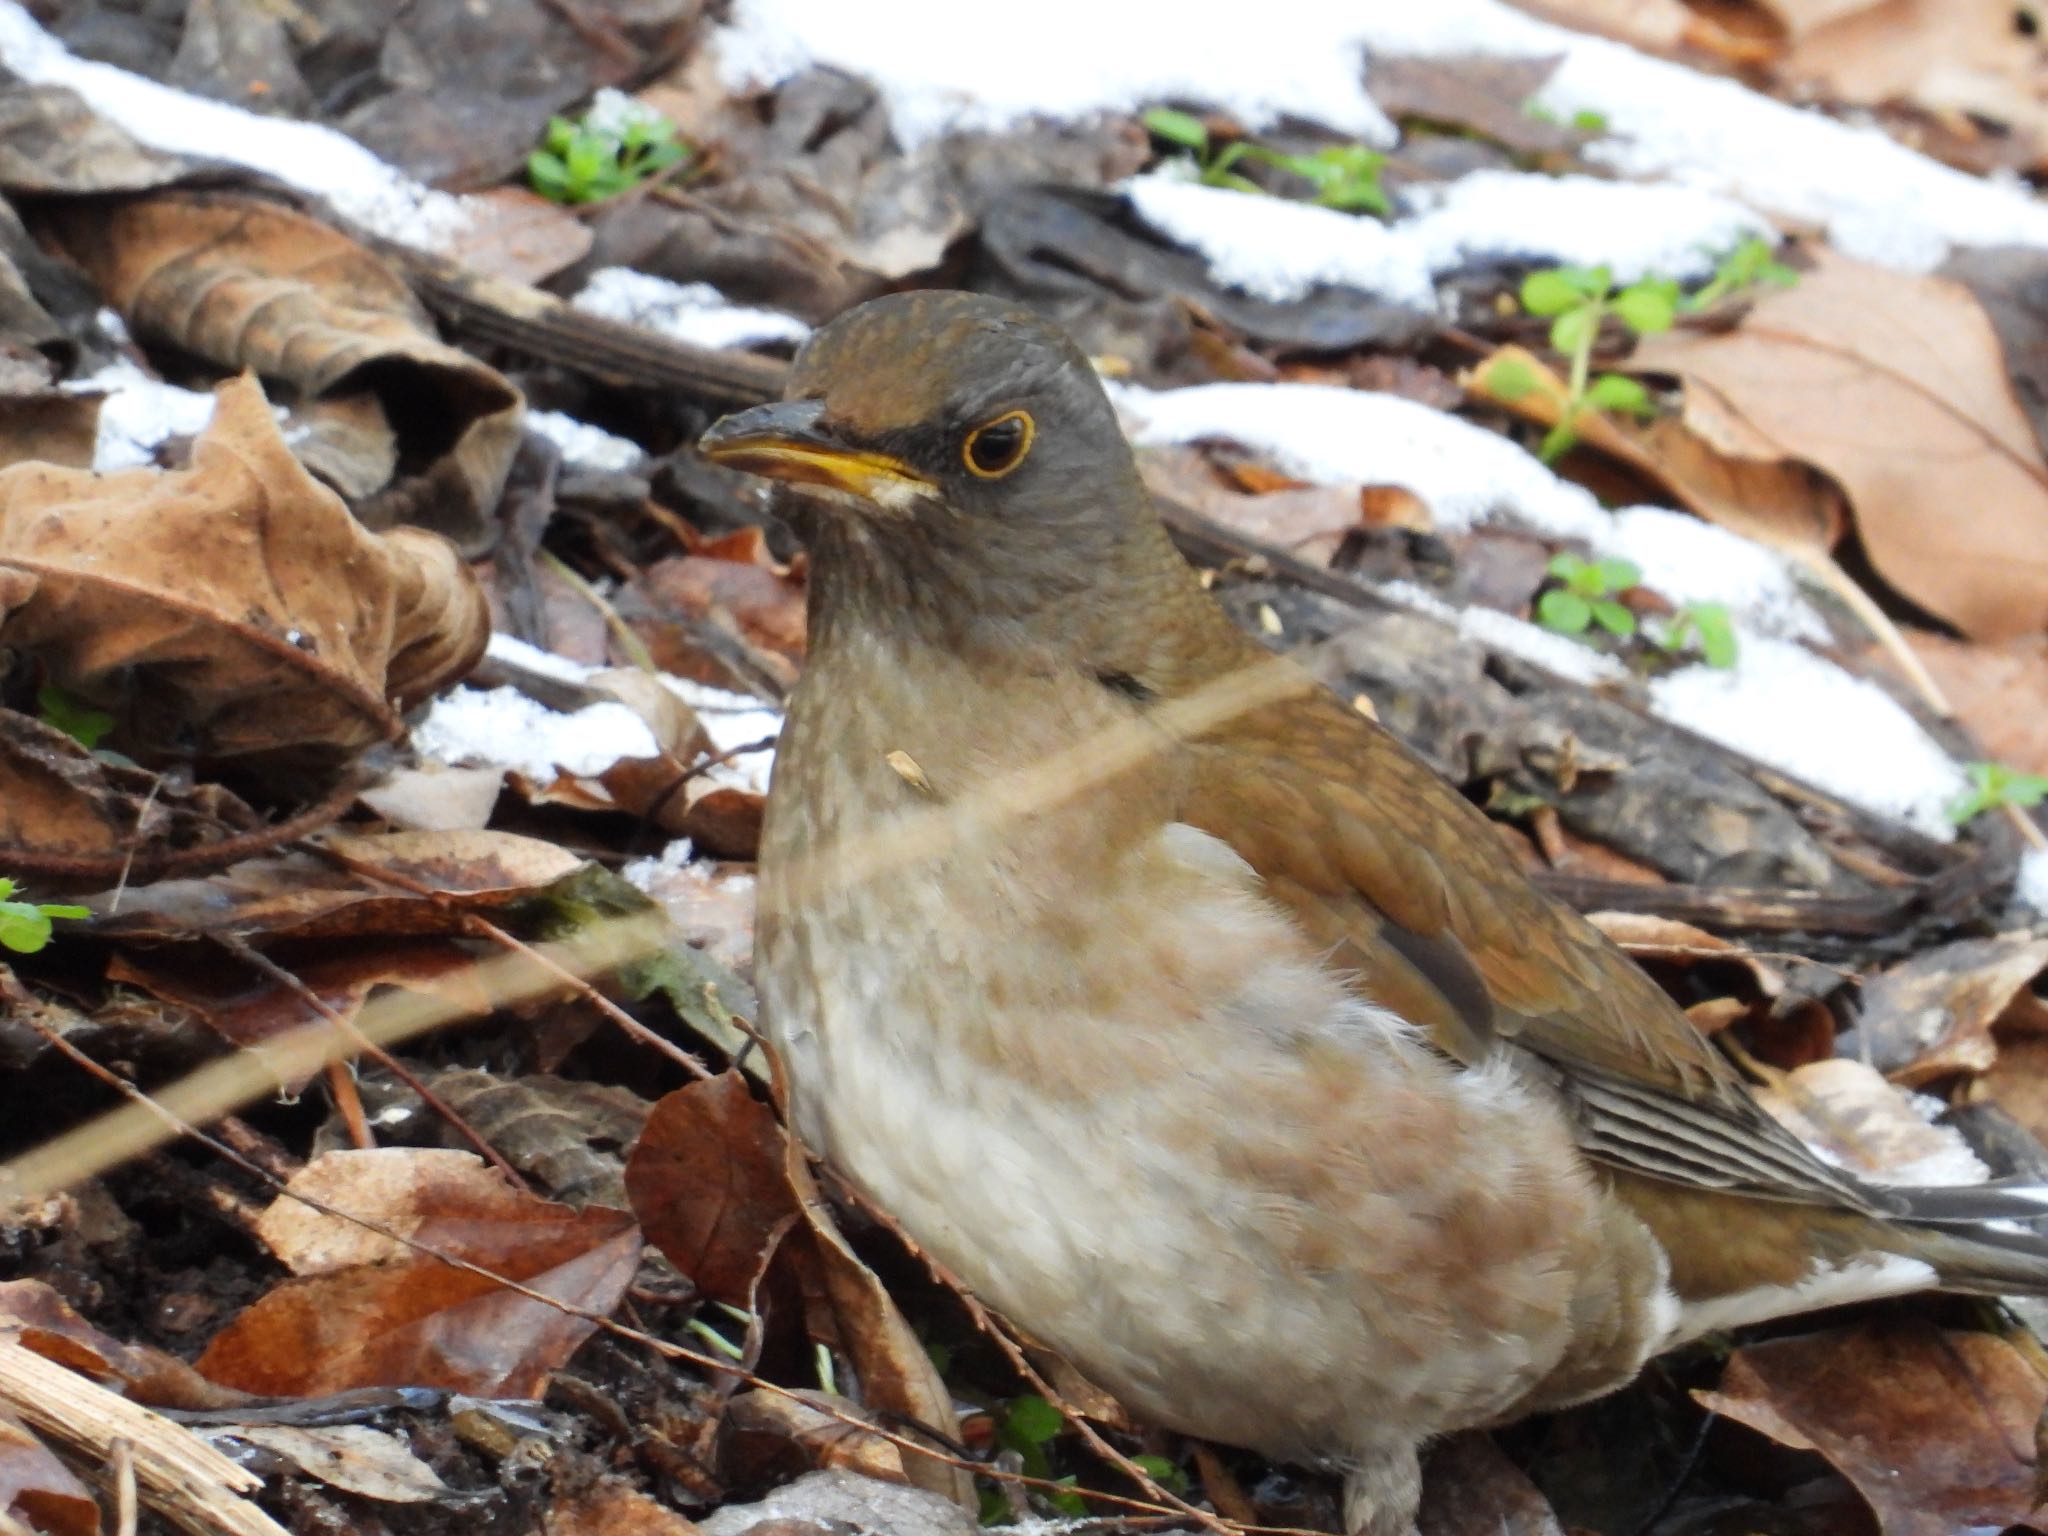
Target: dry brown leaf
[1470,1488]
[707,1180]
[234,609]
[1998,690]
[1930,1017]
[1863,1121]
[355,1458]
[611,1508]
[37,1488]
[1934,1428]
[416,1321]
[306,897]
[46,1323]
[249,285]
[1309,521]
[776,1436]
[1960,57]
[1895,386]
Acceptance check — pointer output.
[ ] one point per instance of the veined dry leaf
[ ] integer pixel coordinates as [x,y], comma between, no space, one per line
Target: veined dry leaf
[1934,1428]
[302,896]
[233,609]
[415,1320]
[355,1458]
[249,285]
[1942,56]
[707,1182]
[1865,1123]
[611,1508]
[38,1489]
[46,1323]
[1469,1488]
[1894,385]
[1930,1017]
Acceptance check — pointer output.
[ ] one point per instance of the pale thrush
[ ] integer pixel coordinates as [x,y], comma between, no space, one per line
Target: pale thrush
[1186,1015]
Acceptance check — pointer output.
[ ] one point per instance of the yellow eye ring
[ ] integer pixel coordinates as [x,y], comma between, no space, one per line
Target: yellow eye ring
[996,447]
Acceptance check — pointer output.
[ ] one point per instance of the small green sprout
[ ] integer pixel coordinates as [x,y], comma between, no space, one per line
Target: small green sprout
[1586,597]
[1345,176]
[603,155]
[1576,300]
[25,925]
[74,717]
[1993,785]
[1166,1473]
[1585,120]
[1752,264]
[1702,626]
[1028,1425]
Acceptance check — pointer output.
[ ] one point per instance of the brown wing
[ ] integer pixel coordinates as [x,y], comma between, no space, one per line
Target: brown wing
[1414,891]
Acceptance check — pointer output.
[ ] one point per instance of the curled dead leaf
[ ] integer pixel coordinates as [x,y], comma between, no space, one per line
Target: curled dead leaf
[234,609]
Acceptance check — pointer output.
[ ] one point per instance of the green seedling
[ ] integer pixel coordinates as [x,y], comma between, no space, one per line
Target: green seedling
[1028,1425]
[1584,120]
[1575,300]
[25,926]
[1344,176]
[74,717]
[1704,627]
[1993,785]
[1586,596]
[1752,264]
[587,161]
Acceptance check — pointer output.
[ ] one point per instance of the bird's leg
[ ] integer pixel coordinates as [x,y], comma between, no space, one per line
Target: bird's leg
[1382,1491]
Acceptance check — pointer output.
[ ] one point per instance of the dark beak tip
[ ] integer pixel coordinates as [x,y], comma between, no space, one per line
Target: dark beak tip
[783,420]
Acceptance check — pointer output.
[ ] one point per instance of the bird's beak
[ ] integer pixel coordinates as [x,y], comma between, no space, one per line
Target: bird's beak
[785,441]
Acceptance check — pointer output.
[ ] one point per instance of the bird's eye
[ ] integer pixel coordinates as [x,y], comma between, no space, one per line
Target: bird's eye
[996,447]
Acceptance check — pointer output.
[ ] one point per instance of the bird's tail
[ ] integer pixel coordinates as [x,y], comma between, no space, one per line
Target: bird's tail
[1985,1239]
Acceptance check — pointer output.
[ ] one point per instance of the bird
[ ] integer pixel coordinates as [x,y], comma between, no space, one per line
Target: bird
[1184,1014]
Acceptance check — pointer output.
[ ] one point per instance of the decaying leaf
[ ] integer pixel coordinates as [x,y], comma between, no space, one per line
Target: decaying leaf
[352,1457]
[46,1323]
[1867,1124]
[1895,386]
[611,1508]
[1930,1017]
[1934,1427]
[38,1489]
[233,609]
[707,1182]
[1470,1489]
[249,285]
[415,1320]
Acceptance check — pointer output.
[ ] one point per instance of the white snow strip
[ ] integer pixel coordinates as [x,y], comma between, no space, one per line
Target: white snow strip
[503,728]
[1499,631]
[693,312]
[1465,474]
[729,719]
[732,720]
[1280,250]
[613,112]
[1785,706]
[517,653]
[585,446]
[318,160]
[1695,561]
[138,414]
[941,66]
[2032,887]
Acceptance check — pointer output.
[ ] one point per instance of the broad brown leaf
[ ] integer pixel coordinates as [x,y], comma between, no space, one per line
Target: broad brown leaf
[415,1320]
[37,1488]
[234,609]
[1894,385]
[247,284]
[1935,1428]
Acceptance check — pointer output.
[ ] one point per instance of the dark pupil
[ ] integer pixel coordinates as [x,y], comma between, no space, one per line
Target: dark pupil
[996,444]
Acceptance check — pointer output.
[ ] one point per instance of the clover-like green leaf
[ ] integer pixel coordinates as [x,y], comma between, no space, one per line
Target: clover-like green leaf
[1563,612]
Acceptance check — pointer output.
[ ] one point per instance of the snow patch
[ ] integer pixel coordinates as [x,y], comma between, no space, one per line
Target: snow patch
[1464,473]
[2032,886]
[330,165]
[1281,250]
[696,313]
[1695,561]
[585,446]
[503,728]
[139,413]
[942,67]
[1787,707]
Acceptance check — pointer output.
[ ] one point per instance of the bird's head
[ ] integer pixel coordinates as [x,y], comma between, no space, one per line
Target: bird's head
[952,443]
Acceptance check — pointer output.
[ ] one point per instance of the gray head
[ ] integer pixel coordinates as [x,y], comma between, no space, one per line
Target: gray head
[961,453]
